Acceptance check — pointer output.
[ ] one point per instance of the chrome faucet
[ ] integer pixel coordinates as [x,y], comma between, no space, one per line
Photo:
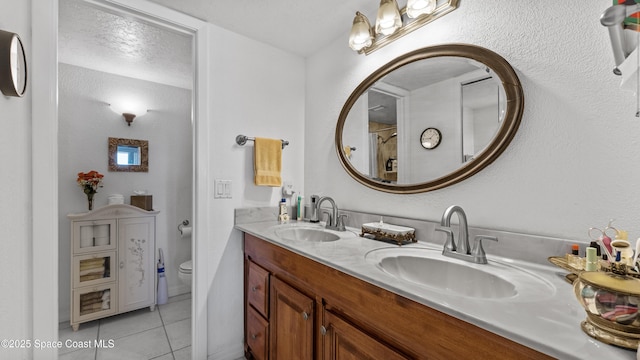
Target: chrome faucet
[462,250]
[334,222]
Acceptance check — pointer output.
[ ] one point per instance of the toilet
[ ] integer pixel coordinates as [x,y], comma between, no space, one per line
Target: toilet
[185,272]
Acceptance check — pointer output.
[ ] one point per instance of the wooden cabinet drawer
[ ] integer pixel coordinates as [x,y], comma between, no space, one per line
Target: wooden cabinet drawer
[257,334]
[258,289]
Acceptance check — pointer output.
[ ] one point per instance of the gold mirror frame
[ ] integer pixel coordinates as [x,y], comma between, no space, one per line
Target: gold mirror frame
[506,132]
[144,155]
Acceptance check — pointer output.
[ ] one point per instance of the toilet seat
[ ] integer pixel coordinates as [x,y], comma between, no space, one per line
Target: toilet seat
[186,267]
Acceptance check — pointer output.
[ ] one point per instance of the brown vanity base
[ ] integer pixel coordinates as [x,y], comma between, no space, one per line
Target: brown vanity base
[298,308]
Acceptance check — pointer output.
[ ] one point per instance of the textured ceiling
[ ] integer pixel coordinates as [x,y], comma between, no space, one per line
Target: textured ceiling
[92,38]
[298,26]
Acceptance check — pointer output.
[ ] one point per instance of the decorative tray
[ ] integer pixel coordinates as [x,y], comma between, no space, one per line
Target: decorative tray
[561,261]
[388,232]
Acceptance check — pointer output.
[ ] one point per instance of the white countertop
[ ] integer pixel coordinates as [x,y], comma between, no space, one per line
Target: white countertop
[549,323]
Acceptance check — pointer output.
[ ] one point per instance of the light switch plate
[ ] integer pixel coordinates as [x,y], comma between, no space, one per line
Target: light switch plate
[222,189]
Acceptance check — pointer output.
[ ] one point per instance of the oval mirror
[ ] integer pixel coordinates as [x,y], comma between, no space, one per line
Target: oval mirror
[429,119]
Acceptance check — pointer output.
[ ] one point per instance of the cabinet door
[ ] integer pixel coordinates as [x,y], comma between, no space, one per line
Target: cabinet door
[291,323]
[93,269]
[93,235]
[343,341]
[136,263]
[93,302]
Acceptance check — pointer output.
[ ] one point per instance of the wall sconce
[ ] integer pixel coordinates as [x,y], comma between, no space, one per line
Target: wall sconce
[129,110]
[392,23]
[128,117]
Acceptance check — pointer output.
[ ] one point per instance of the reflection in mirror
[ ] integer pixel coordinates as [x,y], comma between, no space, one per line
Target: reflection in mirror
[128,155]
[482,109]
[470,95]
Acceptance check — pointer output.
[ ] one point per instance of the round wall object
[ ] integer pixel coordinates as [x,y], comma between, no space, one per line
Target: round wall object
[13,65]
[430,138]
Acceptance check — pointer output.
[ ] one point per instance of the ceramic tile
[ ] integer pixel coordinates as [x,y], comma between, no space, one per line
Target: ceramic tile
[183,354]
[168,356]
[137,335]
[86,332]
[144,345]
[179,334]
[179,298]
[133,322]
[82,354]
[175,311]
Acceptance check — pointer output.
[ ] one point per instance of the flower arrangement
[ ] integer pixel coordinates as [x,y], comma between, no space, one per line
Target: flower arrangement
[90,182]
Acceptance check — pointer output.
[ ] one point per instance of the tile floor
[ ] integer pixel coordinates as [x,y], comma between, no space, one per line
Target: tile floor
[163,334]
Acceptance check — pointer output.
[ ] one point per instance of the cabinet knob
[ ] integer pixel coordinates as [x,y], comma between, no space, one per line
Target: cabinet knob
[121,264]
[254,336]
[323,330]
[305,315]
[254,288]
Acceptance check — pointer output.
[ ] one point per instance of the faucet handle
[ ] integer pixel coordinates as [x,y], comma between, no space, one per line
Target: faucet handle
[449,244]
[329,220]
[479,256]
[340,223]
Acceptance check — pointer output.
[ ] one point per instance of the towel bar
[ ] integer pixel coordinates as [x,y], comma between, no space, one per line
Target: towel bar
[242,139]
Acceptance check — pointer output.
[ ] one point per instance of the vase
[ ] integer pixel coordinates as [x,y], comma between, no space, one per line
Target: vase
[90,199]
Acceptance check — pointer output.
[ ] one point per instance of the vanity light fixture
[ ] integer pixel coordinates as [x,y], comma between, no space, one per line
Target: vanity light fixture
[393,23]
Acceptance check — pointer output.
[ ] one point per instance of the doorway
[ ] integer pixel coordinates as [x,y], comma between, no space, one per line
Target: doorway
[45,160]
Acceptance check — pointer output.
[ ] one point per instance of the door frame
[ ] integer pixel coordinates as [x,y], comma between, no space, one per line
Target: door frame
[44,165]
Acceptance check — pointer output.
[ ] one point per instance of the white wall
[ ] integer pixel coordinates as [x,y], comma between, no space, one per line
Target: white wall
[258,91]
[442,102]
[15,205]
[85,124]
[573,163]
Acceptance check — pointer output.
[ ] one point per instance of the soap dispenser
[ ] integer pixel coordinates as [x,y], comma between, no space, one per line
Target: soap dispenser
[314,208]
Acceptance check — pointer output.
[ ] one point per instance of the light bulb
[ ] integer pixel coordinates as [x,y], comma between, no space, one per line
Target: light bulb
[361,35]
[388,20]
[416,8]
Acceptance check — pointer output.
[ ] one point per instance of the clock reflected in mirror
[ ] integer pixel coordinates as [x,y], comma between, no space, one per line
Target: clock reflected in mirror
[430,138]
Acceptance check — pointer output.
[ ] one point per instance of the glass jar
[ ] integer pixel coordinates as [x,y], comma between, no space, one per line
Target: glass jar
[611,300]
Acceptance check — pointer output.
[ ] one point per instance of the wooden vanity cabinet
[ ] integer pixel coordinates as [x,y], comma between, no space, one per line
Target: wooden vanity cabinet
[353,319]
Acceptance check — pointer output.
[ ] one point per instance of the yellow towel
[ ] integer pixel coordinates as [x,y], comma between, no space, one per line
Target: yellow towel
[267,162]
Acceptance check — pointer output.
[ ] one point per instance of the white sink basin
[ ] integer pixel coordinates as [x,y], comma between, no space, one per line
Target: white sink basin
[306,234]
[429,269]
